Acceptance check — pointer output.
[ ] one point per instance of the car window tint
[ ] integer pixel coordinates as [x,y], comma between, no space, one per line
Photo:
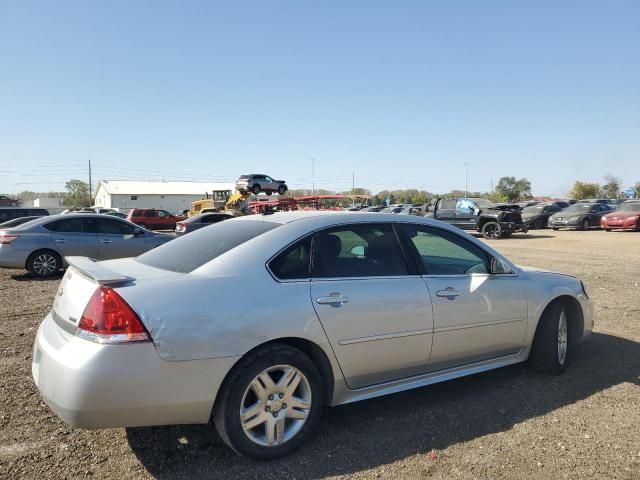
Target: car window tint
[448,204]
[294,262]
[114,227]
[444,253]
[362,250]
[465,206]
[149,213]
[192,251]
[66,225]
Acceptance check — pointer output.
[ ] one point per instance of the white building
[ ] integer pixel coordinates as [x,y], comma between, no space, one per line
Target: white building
[48,202]
[171,196]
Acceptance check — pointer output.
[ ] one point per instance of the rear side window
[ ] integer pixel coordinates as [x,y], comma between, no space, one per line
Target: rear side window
[149,213]
[361,250]
[294,262]
[114,227]
[187,253]
[67,225]
[136,213]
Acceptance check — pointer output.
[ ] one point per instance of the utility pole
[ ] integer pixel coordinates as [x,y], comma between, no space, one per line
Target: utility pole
[90,192]
[313,176]
[466,182]
[353,188]
[492,187]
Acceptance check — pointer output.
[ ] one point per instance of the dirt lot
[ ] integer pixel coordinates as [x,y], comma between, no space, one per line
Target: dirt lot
[509,423]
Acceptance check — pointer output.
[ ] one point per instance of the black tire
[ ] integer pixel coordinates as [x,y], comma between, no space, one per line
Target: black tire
[492,230]
[537,224]
[282,190]
[256,189]
[607,229]
[44,263]
[268,192]
[555,228]
[586,224]
[226,411]
[544,356]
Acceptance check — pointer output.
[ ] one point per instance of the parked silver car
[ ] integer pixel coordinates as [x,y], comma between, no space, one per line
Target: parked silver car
[259,321]
[41,245]
[257,183]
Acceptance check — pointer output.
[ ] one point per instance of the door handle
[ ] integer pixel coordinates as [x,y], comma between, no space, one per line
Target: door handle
[60,240]
[449,293]
[334,298]
[105,241]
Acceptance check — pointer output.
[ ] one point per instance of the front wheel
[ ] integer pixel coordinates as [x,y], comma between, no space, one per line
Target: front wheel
[537,224]
[270,403]
[282,190]
[256,189]
[586,224]
[492,230]
[44,264]
[551,342]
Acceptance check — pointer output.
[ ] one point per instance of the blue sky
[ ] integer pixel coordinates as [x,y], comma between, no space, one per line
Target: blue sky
[401,93]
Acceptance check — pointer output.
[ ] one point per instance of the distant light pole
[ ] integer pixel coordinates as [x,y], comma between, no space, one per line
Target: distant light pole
[313,176]
[466,181]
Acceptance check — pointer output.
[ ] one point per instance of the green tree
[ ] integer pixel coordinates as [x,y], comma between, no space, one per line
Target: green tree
[77,194]
[637,187]
[583,190]
[512,189]
[611,189]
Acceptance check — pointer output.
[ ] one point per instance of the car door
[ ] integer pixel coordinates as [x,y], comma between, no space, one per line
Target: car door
[372,304]
[165,219]
[150,218]
[466,216]
[596,213]
[74,236]
[477,315]
[446,210]
[117,239]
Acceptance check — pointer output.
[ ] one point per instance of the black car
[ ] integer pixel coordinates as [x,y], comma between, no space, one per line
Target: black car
[493,221]
[198,221]
[18,221]
[581,216]
[537,216]
[9,213]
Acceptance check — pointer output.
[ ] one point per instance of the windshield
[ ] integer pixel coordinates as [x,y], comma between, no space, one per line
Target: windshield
[630,207]
[187,253]
[578,208]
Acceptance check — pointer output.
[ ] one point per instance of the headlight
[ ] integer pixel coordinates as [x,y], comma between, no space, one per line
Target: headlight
[633,219]
[584,289]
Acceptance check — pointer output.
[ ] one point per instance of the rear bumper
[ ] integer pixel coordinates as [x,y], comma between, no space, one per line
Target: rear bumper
[89,385]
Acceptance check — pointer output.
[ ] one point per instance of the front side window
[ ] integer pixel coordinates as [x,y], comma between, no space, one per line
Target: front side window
[361,250]
[294,262]
[444,253]
[149,213]
[465,206]
[447,204]
[114,227]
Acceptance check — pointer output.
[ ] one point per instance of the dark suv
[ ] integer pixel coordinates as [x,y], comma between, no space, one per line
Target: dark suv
[9,213]
[257,183]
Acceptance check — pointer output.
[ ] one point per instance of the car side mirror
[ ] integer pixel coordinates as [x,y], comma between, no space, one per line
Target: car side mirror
[137,232]
[498,267]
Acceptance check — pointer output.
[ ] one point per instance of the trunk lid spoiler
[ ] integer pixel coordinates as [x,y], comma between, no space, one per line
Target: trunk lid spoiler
[96,271]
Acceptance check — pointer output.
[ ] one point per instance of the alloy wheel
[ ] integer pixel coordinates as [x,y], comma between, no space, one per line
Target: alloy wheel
[45,264]
[275,405]
[562,338]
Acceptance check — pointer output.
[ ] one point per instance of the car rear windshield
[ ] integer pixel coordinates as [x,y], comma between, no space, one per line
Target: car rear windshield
[187,253]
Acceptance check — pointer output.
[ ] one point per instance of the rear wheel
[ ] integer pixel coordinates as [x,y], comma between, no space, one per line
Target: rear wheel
[551,343]
[44,263]
[270,403]
[256,189]
[537,224]
[492,230]
[586,224]
[282,190]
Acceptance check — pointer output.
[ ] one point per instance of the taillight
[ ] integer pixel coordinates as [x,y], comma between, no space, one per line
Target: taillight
[107,318]
[180,227]
[6,239]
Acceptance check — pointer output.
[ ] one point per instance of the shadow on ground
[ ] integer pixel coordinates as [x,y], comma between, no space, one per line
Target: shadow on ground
[27,277]
[380,431]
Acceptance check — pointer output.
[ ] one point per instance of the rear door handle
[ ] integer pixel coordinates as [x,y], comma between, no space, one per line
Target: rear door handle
[105,241]
[60,240]
[333,299]
[448,292]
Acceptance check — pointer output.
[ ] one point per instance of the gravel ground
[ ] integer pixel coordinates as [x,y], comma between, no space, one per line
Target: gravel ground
[509,423]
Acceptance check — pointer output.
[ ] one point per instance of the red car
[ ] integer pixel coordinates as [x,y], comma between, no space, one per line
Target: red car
[154,219]
[627,217]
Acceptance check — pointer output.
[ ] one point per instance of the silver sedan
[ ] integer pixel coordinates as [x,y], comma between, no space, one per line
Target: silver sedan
[41,245]
[258,322]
